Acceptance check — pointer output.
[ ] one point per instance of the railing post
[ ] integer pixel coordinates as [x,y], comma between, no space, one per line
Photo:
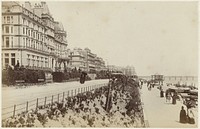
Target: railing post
[63,96]
[14,110]
[72,93]
[81,89]
[45,100]
[27,106]
[52,100]
[68,93]
[58,97]
[75,93]
[78,90]
[37,103]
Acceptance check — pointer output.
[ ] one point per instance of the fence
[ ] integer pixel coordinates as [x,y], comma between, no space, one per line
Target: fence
[34,104]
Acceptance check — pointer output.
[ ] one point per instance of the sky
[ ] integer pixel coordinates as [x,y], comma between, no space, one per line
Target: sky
[154,37]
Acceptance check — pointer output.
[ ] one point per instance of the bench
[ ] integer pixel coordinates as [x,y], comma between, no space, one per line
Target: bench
[19,81]
[40,80]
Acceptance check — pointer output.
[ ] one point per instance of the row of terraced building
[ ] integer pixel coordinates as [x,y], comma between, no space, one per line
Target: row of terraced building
[32,39]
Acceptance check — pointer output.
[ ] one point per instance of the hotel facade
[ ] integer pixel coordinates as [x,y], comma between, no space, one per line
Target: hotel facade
[31,37]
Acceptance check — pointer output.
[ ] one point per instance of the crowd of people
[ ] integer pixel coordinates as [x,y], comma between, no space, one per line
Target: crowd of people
[87,110]
[186,115]
[171,97]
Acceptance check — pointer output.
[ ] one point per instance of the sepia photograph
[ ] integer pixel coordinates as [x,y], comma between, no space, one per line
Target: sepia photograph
[99,64]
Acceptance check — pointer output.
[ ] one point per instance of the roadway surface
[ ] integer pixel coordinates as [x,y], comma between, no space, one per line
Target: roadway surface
[13,95]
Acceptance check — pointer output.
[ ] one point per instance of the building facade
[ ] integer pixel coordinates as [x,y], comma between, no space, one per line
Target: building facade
[78,59]
[99,64]
[86,60]
[129,71]
[31,37]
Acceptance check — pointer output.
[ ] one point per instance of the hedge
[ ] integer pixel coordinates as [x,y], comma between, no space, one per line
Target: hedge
[9,76]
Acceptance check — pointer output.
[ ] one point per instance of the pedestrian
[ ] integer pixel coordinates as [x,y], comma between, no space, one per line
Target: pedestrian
[191,117]
[183,116]
[174,99]
[161,93]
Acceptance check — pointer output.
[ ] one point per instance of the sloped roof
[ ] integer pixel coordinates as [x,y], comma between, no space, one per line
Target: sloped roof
[45,8]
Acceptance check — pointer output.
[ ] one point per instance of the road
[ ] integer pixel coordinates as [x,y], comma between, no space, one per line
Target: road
[161,114]
[12,95]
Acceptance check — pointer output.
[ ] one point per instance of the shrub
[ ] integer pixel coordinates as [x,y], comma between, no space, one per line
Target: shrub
[9,76]
[58,76]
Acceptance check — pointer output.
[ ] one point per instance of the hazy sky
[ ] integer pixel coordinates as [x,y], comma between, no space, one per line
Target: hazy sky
[155,37]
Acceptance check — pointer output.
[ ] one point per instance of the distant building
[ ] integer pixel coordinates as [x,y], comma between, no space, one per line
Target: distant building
[78,59]
[90,60]
[32,38]
[129,71]
[86,60]
[157,78]
[99,64]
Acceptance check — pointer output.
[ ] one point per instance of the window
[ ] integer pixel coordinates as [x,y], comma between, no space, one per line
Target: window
[27,43]
[26,31]
[4,19]
[8,19]
[6,61]
[6,55]
[12,54]
[12,42]
[33,62]
[13,61]
[7,41]
[23,30]
[37,63]
[11,19]
[23,21]
[7,29]
[24,42]
[41,63]
[28,62]
[11,29]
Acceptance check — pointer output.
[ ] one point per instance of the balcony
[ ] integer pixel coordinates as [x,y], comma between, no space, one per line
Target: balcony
[91,65]
[25,48]
[66,58]
[38,68]
[91,55]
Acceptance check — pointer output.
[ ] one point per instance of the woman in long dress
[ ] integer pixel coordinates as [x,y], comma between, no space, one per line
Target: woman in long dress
[191,116]
[183,116]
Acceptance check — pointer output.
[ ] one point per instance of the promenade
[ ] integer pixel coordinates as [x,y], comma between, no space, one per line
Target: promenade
[161,114]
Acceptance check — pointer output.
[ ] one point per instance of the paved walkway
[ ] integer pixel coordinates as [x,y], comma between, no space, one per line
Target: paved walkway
[161,114]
